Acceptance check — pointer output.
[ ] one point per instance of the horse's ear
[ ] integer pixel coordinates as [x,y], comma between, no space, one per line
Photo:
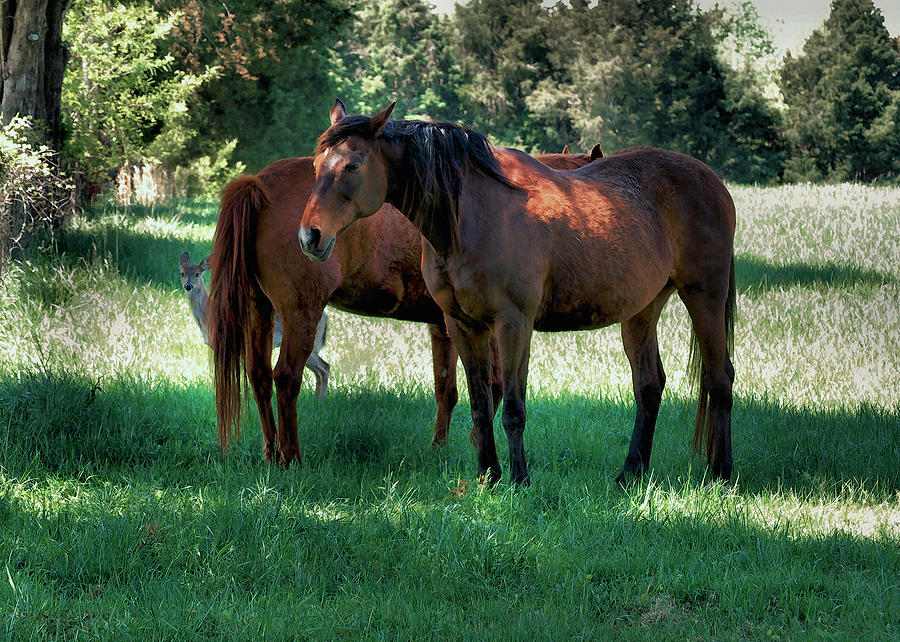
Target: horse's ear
[338,111]
[204,264]
[185,259]
[596,152]
[379,120]
[565,149]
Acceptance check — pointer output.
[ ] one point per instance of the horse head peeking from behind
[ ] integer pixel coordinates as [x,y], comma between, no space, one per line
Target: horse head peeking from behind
[512,245]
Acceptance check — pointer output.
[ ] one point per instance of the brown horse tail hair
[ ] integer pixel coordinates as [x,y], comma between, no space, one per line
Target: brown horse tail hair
[233,283]
[704,435]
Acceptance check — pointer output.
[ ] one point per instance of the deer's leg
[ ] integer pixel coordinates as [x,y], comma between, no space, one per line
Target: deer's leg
[317,364]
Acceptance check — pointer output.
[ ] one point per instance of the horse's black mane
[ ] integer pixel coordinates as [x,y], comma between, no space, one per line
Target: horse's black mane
[436,156]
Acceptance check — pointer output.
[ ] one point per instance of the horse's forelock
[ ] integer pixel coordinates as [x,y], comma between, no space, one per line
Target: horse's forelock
[342,130]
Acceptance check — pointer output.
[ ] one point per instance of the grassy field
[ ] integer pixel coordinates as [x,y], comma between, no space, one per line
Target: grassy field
[118,520]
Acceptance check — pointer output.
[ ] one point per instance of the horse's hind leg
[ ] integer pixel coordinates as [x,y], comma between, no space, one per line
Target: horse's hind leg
[713,425]
[444,355]
[648,379]
[259,371]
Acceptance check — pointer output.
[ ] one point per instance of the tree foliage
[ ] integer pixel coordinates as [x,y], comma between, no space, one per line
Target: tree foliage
[272,92]
[397,50]
[843,98]
[201,84]
[122,99]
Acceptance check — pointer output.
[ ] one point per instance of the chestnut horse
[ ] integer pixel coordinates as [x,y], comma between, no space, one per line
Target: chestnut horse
[513,246]
[257,269]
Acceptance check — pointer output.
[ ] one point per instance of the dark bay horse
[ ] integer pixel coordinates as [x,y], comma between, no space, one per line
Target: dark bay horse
[513,246]
[257,269]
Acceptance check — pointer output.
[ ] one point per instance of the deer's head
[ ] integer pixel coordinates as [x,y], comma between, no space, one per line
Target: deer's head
[192,274]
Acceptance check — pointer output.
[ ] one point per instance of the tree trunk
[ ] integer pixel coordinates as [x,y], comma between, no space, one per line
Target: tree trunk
[32,63]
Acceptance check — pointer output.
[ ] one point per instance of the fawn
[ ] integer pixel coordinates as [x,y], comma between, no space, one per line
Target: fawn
[195,289]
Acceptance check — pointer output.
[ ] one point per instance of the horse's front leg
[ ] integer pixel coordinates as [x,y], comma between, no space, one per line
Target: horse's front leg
[297,345]
[513,332]
[473,343]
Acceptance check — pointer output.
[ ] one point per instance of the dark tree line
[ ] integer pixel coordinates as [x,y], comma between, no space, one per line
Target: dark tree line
[622,73]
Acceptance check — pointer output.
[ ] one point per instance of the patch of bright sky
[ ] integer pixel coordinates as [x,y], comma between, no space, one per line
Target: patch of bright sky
[789,21]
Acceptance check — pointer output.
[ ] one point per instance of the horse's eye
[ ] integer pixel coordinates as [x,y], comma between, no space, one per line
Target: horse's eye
[352,166]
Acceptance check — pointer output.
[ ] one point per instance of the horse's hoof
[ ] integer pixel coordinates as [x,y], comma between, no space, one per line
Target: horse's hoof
[628,477]
[286,459]
[489,478]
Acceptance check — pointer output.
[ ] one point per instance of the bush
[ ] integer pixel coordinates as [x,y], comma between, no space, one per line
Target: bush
[34,191]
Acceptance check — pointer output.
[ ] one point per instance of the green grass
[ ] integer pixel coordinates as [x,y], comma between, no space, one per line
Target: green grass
[118,519]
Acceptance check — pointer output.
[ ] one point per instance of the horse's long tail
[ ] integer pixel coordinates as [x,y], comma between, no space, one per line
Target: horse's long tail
[704,433]
[233,283]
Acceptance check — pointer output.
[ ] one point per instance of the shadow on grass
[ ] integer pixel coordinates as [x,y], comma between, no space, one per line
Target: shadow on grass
[378,561]
[756,275]
[190,211]
[73,426]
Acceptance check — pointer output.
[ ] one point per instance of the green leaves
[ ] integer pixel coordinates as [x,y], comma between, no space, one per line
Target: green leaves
[841,92]
[122,98]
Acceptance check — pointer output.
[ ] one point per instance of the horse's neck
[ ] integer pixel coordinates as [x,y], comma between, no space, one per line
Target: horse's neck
[198,300]
[434,228]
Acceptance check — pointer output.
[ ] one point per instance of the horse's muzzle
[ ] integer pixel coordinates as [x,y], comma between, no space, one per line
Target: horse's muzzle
[311,243]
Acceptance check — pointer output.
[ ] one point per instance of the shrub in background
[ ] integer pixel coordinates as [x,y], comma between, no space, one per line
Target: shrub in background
[34,191]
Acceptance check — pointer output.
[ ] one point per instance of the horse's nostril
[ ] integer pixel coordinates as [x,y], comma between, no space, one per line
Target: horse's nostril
[315,235]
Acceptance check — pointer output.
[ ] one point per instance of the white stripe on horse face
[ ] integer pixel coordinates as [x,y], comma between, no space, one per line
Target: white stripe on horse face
[329,163]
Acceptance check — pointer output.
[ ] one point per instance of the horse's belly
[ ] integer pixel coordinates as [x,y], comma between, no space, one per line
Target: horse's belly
[596,306]
[413,303]
[582,318]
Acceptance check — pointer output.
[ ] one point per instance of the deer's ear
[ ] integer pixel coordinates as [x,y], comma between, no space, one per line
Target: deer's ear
[185,259]
[379,120]
[338,111]
[204,264]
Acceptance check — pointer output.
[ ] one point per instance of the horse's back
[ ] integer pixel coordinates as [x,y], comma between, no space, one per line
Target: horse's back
[603,240]
[674,182]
